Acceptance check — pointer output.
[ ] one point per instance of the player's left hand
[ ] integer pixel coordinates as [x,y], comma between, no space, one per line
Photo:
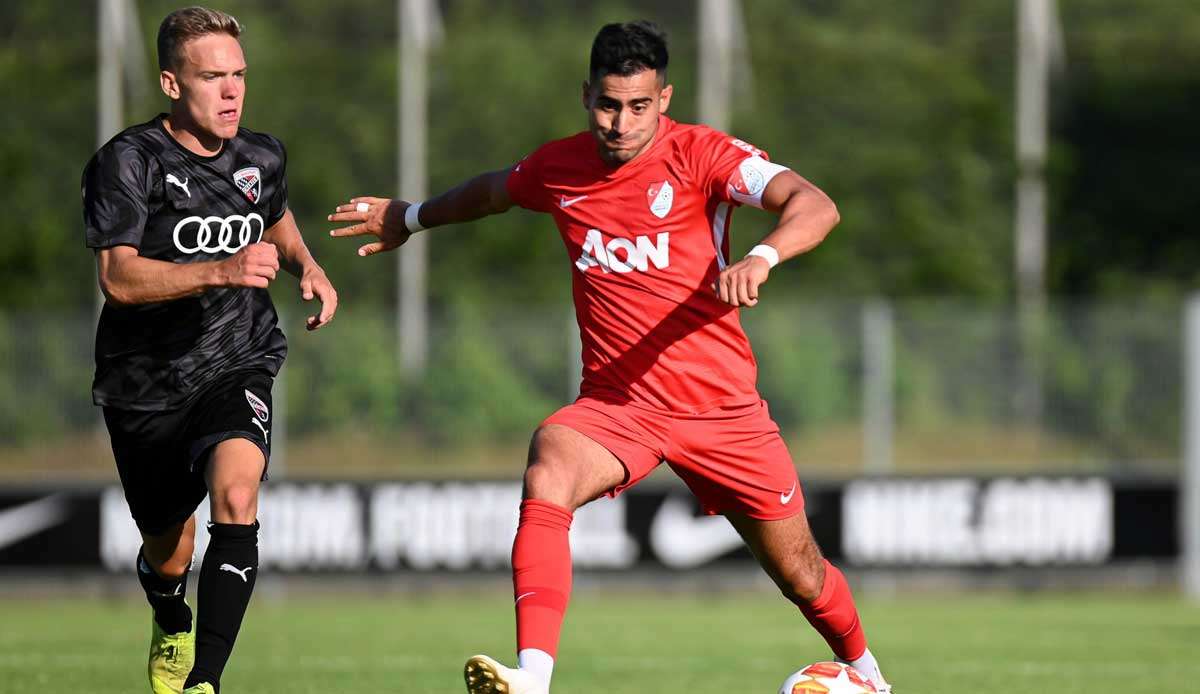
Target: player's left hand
[382,218]
[737,285]
[314,283]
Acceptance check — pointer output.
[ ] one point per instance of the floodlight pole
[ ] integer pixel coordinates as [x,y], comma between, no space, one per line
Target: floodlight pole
[419,27]
[1189,486]
[1039,44]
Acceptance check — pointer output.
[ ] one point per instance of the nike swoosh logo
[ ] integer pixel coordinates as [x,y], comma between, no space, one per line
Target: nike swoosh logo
[27,520]
[785,498]
[523,596]
[567,202]
[682,540]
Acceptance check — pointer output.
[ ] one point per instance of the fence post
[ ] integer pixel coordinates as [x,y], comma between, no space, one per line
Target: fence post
[878,376]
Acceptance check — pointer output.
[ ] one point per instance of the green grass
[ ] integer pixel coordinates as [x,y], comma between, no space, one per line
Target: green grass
[636,643]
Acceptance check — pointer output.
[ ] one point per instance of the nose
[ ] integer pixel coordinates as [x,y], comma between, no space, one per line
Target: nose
[615,125]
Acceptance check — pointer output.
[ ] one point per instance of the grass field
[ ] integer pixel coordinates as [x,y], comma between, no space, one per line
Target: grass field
[628,643]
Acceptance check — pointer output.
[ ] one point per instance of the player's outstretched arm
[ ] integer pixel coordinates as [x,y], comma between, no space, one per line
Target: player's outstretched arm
[806,216]
[127,279]
[297,260]
[394,221]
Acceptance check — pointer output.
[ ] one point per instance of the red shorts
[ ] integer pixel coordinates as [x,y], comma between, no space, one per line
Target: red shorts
[733,459]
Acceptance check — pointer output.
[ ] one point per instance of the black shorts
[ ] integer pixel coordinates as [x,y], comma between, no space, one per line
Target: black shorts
[161,455]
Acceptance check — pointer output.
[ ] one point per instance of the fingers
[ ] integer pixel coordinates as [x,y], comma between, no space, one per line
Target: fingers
[357,210]
[328,308]
[371,249]
[262,254]
[329,301]
[736,287]
[747,295]
[354,230]
[369,200]
[260,270]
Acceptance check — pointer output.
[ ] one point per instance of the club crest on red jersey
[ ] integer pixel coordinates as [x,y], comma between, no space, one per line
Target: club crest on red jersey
[660,196]
[249,181]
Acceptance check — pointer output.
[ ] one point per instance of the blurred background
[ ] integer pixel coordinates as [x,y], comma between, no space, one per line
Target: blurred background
[995,336]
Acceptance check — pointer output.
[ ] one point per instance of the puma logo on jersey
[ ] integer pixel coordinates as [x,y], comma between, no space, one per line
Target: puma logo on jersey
[240,572]
[174,180]
[624,255]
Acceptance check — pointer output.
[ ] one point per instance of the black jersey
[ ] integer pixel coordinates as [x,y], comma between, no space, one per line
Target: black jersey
[144,189]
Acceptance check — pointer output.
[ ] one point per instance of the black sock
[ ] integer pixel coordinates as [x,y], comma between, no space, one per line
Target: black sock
[223,592]
[165,597]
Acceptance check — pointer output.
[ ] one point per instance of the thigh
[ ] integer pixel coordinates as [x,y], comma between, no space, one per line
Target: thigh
[622,442]
[237,406]
[160,485]
[737,462]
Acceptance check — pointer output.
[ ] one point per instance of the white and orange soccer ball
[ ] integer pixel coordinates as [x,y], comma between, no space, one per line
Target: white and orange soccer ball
[826,678]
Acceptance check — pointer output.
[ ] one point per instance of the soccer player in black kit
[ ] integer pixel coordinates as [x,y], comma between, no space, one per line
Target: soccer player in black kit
[189,221]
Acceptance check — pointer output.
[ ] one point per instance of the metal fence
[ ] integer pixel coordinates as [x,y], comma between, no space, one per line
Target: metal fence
[908,387]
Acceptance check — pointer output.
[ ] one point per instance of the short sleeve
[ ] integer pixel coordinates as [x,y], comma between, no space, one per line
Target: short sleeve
[115,193]
[525,185]
[732,170]
[278,204]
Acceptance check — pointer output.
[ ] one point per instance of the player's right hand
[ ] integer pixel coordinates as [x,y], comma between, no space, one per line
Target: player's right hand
[382,218]
[254,265]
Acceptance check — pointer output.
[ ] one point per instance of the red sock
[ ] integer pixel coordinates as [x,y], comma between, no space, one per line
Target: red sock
[541,561]
[833,615]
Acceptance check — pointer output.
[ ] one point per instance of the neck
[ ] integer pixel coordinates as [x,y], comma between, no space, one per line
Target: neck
[186,133]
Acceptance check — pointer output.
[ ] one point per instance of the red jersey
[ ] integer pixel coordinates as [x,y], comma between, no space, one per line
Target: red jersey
[646,241]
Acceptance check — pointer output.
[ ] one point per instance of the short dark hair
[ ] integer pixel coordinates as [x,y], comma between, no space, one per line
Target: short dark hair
[182,26]
[627,49]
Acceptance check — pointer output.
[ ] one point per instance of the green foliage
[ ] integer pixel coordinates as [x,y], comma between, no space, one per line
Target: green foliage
[902,112]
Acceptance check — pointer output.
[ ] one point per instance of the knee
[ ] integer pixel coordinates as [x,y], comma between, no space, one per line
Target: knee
[236,503]
[549,482]
[802,580]
[177,565]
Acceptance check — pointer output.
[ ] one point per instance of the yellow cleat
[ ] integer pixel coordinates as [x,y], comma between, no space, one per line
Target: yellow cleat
[486,676]
[202,688]
[171,658]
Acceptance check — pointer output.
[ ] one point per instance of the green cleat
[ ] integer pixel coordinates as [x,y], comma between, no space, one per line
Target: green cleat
[171,658]
[202,688]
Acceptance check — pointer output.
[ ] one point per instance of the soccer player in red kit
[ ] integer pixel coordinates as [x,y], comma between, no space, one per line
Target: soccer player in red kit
[644,206]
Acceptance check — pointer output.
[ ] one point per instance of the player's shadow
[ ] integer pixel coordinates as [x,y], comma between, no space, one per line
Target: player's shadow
[693,313]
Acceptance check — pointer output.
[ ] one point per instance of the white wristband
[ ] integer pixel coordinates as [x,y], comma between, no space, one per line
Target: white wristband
[411,221]
[765,252]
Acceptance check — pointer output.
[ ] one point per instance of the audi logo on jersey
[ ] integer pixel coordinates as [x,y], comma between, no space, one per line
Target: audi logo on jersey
[215,234]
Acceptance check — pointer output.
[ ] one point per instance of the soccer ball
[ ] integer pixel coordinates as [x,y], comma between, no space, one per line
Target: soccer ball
[826,678]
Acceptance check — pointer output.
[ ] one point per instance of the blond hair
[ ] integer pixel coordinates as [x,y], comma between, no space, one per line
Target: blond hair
[189,23]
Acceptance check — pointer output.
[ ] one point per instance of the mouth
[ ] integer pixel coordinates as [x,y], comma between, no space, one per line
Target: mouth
[228,115]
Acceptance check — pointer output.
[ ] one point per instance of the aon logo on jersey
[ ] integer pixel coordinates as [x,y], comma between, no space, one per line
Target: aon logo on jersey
[624,255]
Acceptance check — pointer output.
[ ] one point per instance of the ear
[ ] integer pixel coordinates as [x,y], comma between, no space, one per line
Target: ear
[169,84]
[664,98]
